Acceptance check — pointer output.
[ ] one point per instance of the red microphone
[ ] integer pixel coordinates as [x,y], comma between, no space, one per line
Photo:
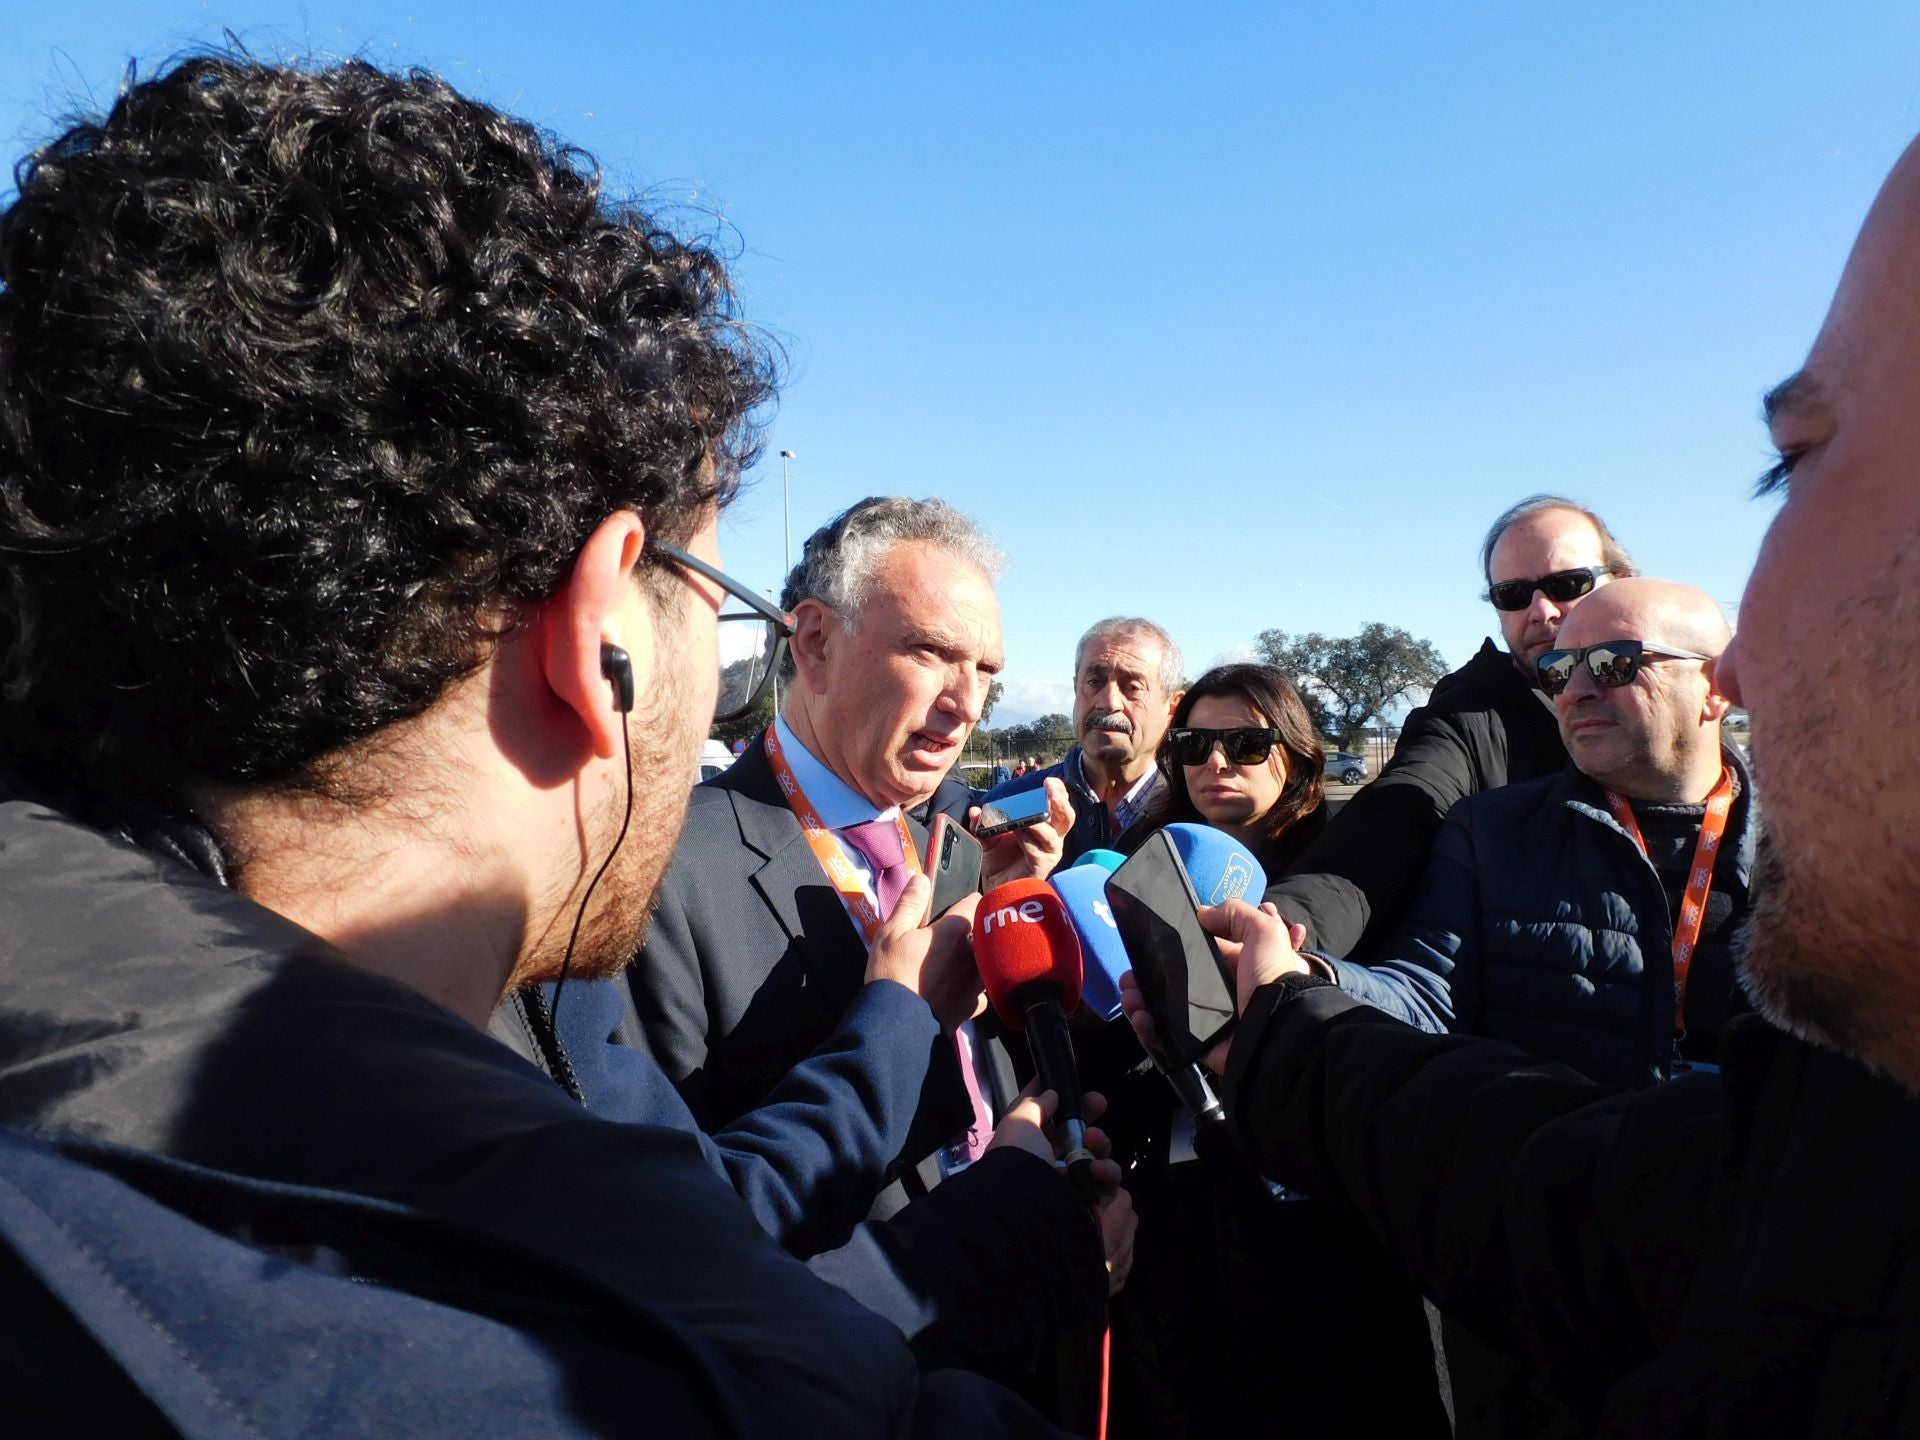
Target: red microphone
[1029,959]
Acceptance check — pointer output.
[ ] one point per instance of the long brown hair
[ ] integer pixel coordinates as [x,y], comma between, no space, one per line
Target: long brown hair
[1274,698]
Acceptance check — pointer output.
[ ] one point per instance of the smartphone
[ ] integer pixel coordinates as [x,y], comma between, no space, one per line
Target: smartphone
[1187,987]
[1012,812]
[952,863]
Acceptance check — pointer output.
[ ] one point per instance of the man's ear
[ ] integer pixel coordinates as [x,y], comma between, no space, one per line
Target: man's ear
[1716,706]
[1173,703]
[597,605]
[816,630]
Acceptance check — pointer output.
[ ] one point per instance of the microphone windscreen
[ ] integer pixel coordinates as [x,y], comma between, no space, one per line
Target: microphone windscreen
[1220,867]
[1083,890]
[1108,860]
[1022,937]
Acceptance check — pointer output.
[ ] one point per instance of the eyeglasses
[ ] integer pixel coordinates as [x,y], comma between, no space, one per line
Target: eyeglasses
[752,641]
[1242,745]
[1611,663]
[1559,587]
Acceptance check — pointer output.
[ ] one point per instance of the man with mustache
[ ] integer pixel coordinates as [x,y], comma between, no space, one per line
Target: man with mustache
[1127,677]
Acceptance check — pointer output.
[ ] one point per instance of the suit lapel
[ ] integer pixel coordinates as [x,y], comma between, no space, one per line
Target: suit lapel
[790,882]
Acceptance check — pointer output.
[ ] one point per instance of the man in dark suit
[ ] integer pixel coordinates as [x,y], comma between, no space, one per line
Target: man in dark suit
[757,950]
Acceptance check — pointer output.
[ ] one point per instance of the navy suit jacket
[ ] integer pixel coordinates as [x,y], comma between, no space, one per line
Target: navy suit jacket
[974,1274]
[751,961]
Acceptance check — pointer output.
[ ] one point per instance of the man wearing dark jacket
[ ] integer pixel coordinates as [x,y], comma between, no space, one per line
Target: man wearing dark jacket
[1484,726]
[353,641]
[1563,914]
[1126,680]
[765,920]
[1730,1254]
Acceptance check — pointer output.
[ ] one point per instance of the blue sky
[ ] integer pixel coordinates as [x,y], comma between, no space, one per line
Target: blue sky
[1238,316]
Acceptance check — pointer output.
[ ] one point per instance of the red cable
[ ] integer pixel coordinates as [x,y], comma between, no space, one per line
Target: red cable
[1106,1373]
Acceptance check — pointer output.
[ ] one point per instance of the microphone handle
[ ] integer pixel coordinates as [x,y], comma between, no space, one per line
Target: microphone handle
[1051,1045]
[1190,1087]
[1052,1050]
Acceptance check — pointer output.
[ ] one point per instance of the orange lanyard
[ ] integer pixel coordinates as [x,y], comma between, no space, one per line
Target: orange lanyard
[826,849]
[1693,903]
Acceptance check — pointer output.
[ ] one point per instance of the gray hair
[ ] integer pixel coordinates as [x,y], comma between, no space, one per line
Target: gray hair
[839,560]
[1173,668]
[1612,553]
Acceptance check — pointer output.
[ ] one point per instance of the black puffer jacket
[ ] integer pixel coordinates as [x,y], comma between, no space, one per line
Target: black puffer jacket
[1540,922]
[1725,1255]
[1482,727]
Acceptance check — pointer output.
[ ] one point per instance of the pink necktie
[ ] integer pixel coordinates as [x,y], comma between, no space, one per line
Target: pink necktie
[981,1131]
[879,841]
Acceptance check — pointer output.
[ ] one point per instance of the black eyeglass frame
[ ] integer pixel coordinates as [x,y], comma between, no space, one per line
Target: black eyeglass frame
[1230,740]
[762,609]
[1637,651]
[1557,586]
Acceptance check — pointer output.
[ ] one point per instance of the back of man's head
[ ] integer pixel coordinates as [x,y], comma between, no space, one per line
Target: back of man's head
[310,381]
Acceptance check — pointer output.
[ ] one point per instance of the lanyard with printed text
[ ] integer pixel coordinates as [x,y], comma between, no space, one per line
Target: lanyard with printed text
[1693,903]
[826,849]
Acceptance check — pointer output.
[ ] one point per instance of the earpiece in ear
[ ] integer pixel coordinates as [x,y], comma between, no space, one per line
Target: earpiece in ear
[617,666]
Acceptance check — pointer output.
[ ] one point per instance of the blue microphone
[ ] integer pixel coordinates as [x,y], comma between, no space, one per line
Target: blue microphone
[1108,860]
[1220,867]
[1083,892]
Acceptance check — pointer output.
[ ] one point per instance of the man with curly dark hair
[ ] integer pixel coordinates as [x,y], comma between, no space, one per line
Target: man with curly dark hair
[359,472]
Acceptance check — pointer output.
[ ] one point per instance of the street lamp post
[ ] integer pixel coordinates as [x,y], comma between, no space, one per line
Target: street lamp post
[787,458]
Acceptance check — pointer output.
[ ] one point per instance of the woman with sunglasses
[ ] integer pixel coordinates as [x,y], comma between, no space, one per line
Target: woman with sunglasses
[1241,756]
[1318,1332]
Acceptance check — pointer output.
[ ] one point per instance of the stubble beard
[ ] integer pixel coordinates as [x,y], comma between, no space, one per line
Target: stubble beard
[1818,975]
[664,743]
[1827,950]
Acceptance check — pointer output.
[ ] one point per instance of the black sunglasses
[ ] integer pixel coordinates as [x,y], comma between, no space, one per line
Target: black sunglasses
[1611,663]
[752,641]
[1243,745]
[1560,587]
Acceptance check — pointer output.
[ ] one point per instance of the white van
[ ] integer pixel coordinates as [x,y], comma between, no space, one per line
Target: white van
[715,757]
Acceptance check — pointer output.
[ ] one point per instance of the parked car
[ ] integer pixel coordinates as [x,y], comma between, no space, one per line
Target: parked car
[1346,769]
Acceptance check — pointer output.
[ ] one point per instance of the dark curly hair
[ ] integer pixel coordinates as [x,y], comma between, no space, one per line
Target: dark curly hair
[309,381]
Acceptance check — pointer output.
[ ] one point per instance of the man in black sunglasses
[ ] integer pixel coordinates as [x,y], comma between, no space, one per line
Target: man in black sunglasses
[1485,725]
[1732,1254]
[1550,911]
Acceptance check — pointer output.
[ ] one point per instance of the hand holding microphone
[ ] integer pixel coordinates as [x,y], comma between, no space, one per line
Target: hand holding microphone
[1023,1127]
[1257,944]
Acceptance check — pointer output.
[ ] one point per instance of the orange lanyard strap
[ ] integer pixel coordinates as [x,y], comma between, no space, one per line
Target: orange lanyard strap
[826,848]
[1693,904]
